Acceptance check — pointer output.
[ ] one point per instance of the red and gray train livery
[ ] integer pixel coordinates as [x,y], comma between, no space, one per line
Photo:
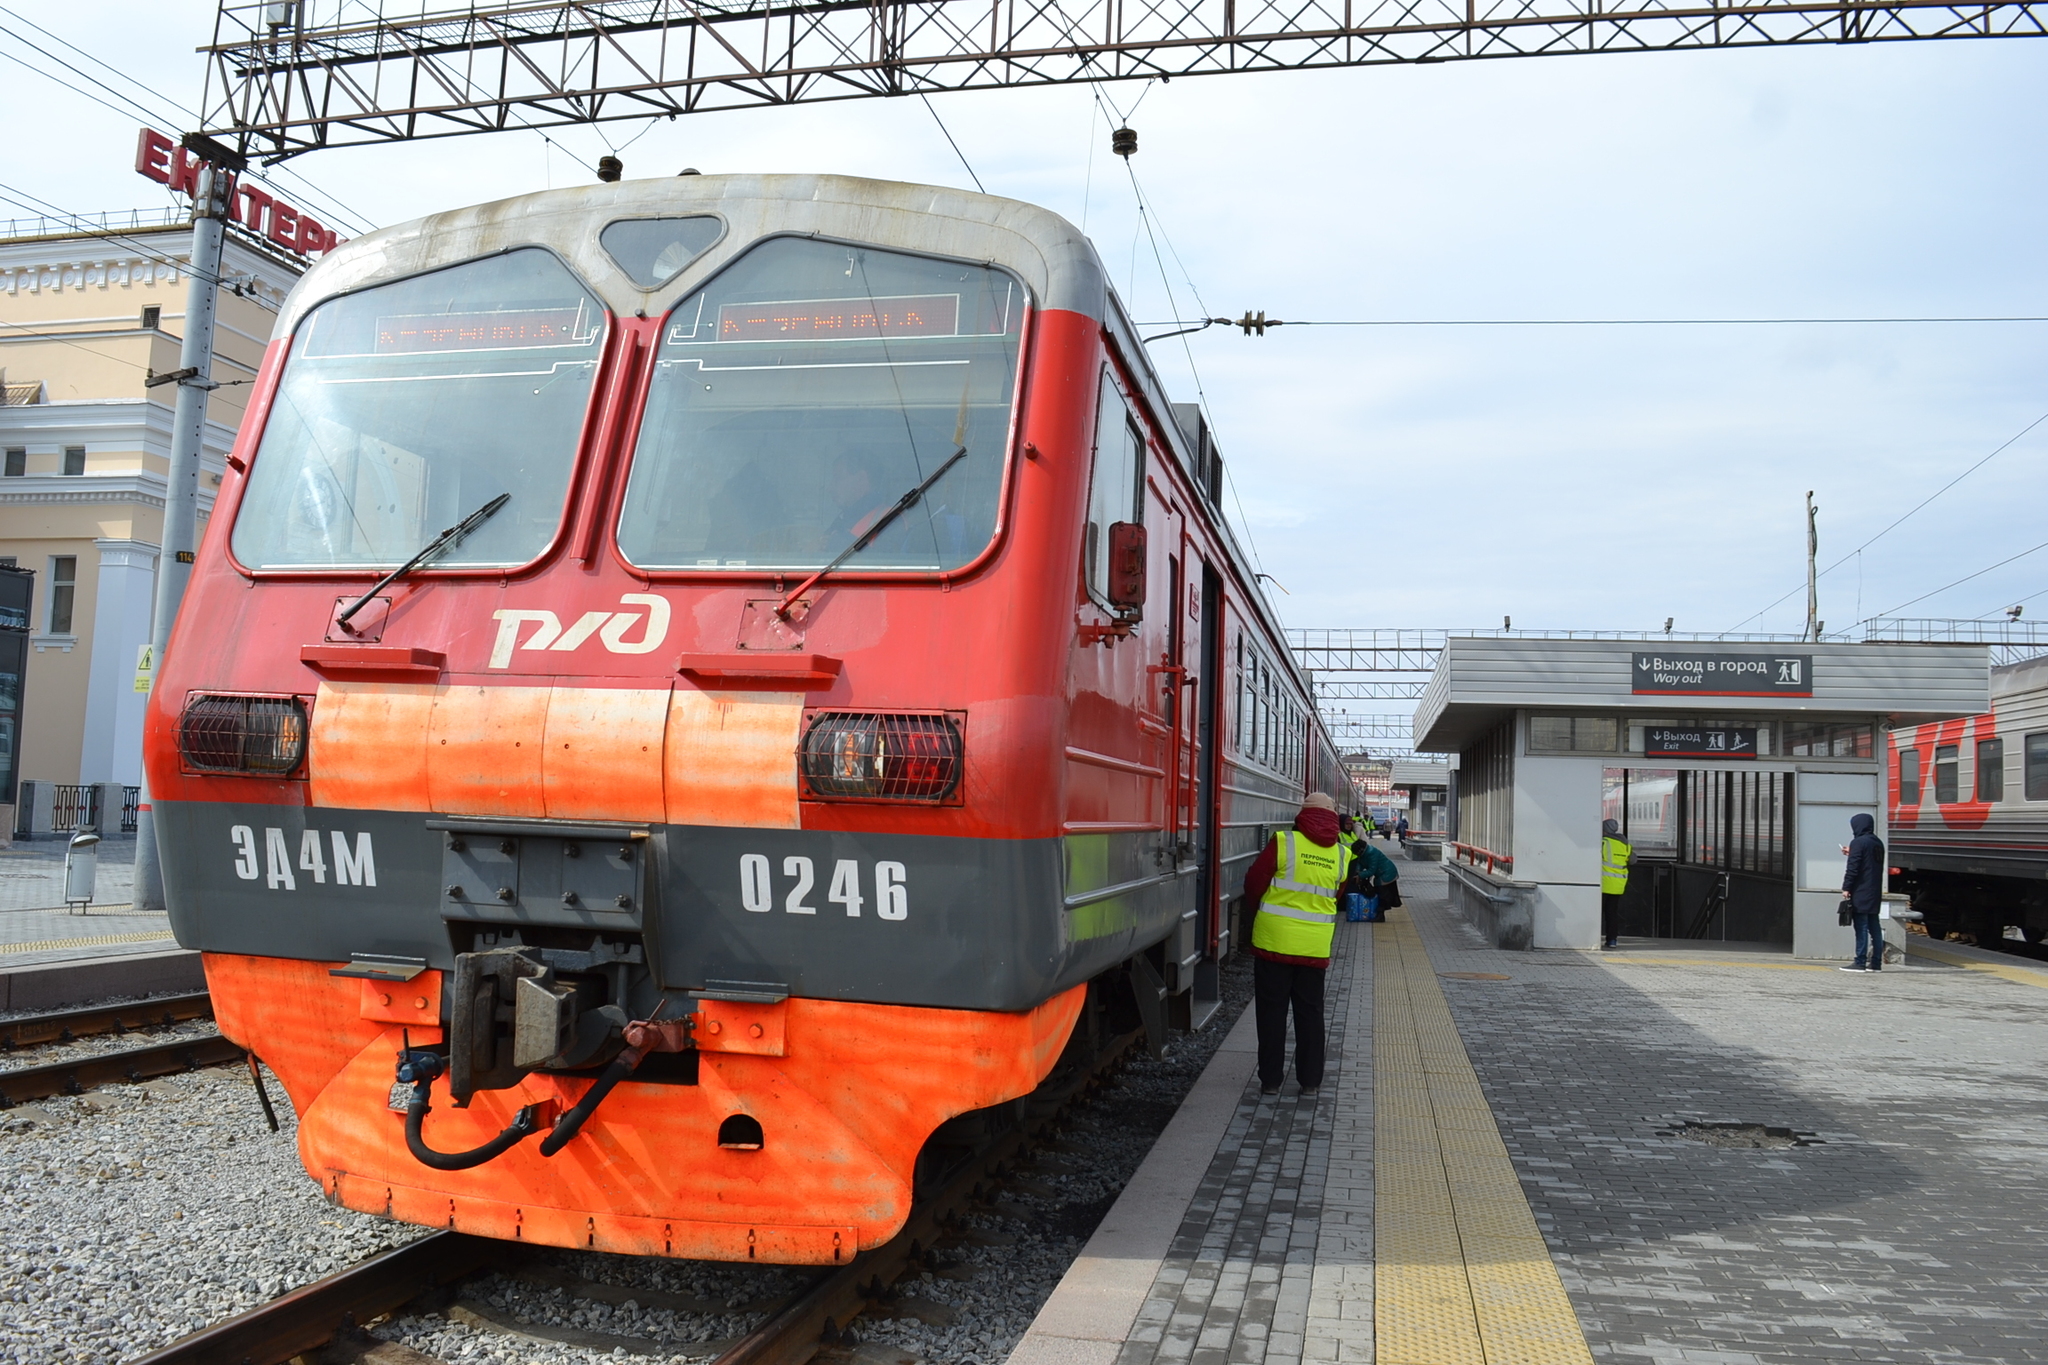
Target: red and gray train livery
[837,692]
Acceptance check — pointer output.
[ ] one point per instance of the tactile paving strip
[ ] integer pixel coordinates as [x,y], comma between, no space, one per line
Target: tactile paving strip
[1463,1274]
[51,945]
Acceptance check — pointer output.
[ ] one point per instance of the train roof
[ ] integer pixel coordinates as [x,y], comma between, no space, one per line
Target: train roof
[1042,248]
[2028,675]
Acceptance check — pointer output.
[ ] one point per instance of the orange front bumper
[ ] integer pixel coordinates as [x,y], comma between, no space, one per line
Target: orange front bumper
[843,1115]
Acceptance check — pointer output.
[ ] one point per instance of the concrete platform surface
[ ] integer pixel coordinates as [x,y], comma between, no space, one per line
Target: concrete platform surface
[32,874]
[1528,1157]
[30,989]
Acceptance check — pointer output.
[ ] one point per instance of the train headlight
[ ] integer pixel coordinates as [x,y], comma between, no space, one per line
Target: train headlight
[861,755]
[243,734]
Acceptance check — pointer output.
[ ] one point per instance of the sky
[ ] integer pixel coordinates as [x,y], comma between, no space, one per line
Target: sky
[1597,478]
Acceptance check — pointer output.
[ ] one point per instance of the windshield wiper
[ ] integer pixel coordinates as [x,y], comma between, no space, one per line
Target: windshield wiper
[903,504]
[447,540]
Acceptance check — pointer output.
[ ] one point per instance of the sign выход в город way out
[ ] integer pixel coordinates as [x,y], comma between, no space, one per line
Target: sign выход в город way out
[1722,675]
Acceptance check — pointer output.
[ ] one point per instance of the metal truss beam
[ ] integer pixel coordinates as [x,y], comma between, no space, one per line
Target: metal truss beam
[292,76]
[1327,691]
[1346,725]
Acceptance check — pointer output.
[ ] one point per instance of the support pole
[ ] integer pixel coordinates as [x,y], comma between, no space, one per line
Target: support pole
[181,488]
[1812,582]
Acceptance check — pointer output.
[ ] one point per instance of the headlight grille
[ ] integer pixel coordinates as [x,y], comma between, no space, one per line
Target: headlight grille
[243,734]
[859,755]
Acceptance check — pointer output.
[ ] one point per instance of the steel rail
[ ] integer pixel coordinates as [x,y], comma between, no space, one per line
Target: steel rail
[312,1315]
[111,1068]
[65,1025]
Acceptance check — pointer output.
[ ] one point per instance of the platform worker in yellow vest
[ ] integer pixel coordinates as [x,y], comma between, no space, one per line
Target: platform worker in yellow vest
[1295,882]
[1614,855]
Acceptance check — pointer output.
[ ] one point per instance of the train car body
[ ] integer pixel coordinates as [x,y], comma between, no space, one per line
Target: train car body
[847,681]
[1969,813]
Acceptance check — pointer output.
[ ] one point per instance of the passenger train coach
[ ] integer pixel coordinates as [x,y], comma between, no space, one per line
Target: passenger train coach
[837,691]
[1969,813]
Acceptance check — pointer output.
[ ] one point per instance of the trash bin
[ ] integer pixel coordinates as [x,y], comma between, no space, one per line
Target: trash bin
[81,870]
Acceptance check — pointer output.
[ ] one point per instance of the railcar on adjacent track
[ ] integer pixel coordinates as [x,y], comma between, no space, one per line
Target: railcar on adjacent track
[840,692]
[1969,813]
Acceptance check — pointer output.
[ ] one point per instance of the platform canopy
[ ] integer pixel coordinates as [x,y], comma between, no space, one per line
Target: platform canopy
[1481,681]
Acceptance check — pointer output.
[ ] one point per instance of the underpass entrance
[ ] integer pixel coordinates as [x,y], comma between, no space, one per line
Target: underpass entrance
[1712,852]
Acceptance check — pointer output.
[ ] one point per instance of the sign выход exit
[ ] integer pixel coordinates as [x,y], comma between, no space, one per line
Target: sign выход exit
[1722,675]
[1666,741]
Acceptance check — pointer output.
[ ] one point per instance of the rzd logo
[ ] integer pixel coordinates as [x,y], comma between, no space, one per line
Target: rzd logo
[608,626]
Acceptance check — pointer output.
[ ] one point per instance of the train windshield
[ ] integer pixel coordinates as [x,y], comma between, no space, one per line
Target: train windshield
[810,386]
[406,407]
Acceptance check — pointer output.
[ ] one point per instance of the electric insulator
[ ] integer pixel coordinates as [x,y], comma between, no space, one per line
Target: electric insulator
[1123,142]
[610,168]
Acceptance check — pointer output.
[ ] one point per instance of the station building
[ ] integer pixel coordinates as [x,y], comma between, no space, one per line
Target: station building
[85,318]
[1733,768]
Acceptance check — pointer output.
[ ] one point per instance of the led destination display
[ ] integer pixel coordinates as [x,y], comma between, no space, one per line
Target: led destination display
[900,315]
[1723,675]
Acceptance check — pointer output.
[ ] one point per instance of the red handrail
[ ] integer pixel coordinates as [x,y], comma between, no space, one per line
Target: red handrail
[1472,853]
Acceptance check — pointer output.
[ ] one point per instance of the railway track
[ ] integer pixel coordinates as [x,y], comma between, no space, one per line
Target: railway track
[815,1318]
[76,1075]
[80,1074]
[69,1025]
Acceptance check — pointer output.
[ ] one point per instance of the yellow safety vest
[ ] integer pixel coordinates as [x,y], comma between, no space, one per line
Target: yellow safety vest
[1298,915]
[1614,855]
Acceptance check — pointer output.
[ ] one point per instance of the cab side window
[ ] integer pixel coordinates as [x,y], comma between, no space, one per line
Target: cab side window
[1116,488]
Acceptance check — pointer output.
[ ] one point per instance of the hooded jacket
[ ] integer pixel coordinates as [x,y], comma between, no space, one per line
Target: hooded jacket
[1314,823]
[1863,878]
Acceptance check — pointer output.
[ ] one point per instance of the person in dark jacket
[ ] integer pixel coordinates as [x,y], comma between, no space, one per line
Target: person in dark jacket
[1863,893]
[1375,876]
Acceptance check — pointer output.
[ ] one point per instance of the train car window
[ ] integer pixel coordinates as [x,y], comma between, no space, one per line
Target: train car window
[1116,486]
[1909,777]
[1945,773]
[802,392]
[653,251]
[2037,766]
[405,407]
[1990,770]
[1826,739]
[1574,734]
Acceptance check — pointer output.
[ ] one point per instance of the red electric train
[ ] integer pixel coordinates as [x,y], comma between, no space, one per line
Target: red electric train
[836,689]
[1969,814]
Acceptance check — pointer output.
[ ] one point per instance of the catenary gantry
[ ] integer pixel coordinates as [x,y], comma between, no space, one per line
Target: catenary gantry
[290,76]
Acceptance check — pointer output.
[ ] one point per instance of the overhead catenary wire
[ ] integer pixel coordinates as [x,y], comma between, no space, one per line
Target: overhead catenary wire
[35,204]
[169,112]
[1145,217]
[1856,553]
[1966,578]
[1199,323]
[950,142]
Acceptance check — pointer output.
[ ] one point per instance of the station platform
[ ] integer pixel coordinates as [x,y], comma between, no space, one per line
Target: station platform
[1661,1154]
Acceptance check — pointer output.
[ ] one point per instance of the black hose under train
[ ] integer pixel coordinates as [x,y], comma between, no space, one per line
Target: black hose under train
[521,1128]
[572,1122]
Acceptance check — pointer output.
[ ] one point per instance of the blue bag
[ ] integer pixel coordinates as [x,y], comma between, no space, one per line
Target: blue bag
[1373,913]
[1354,907]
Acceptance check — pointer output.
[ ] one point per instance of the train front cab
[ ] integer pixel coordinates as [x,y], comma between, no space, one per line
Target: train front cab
[850,849]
